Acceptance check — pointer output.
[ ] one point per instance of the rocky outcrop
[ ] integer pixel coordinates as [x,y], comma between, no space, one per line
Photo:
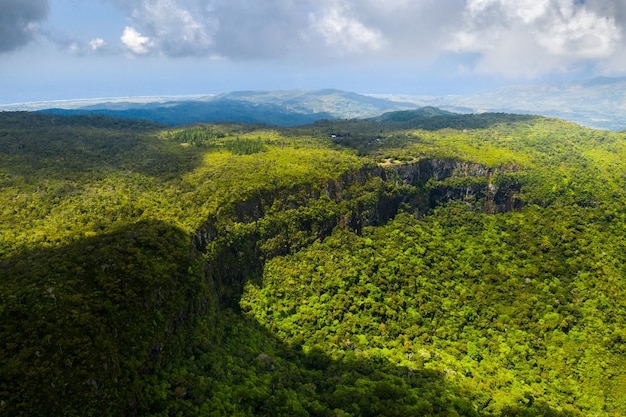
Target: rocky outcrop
[428,183]
[273,222]
[448,179]
[438,170]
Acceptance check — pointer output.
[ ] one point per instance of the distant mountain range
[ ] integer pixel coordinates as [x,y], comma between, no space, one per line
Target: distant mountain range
[599,103]
[281,108]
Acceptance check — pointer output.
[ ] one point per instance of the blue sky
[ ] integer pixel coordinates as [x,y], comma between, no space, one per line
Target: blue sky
[69,49]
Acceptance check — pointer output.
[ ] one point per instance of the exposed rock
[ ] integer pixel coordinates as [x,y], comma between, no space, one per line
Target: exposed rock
[367,197]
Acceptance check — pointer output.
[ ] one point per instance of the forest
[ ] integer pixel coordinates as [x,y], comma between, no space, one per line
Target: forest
[421,263]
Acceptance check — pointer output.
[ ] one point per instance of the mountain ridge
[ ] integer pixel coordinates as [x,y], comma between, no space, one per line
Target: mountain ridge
[430,265]
[598,103]
[280,108]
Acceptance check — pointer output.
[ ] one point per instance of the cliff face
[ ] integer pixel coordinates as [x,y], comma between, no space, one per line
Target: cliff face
[108,323]
[448,179]
[438,170]
[275,222]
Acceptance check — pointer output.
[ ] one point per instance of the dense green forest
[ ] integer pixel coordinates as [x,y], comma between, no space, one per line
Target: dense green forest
[420,263]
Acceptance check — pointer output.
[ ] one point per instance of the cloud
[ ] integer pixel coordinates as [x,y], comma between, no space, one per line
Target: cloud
[76,46]
[296,30]
[616,62]
[532,37]
[512,37]
[138,44]
[340,29]
[18,21]
[96,44]
[174,29]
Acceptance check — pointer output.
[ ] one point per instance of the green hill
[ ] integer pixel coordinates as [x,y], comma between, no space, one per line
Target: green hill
[277,108]
[420,263]
[597,102]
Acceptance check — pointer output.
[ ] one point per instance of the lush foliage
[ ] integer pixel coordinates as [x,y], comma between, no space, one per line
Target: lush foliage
[510,307]
[420,264]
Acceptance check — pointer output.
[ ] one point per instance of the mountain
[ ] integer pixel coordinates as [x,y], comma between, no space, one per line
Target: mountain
[407,115]
[340,104]
[599,103]
[278,108]
[418,263]
[189,112]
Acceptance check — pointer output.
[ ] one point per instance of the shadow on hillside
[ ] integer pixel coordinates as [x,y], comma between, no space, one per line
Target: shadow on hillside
[416,120]
[411,119]
[239,367]
[37,146]
[244,369]
[392,130]
[214,111]
[124,324]
[82,326]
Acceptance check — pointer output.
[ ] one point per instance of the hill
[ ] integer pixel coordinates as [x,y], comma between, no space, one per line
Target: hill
[598,103]
[420,263]
[339,104]
[278,108]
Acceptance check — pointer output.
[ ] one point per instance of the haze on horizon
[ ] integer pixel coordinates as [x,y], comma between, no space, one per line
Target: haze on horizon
[72,49]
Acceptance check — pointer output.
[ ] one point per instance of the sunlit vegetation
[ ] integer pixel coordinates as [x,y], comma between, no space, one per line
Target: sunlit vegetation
[422,263]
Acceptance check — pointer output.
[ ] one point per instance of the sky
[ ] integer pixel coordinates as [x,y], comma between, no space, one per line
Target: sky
[72,49]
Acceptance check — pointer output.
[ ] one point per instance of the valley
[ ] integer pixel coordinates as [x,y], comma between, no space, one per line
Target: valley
[419,262]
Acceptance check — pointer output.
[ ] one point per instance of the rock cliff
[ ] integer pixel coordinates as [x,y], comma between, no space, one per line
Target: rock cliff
[274,222]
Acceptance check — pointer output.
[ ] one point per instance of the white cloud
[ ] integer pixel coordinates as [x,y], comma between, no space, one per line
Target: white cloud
[96,44]
[511,37]
[134,41]
[531,37]
[297,30]
[581,34]
[175,30]
[341,30]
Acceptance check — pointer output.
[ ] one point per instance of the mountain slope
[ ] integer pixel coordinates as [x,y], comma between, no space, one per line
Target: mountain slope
[598,103]
[279,108]
[474,267]
[189,112]
[340,104]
